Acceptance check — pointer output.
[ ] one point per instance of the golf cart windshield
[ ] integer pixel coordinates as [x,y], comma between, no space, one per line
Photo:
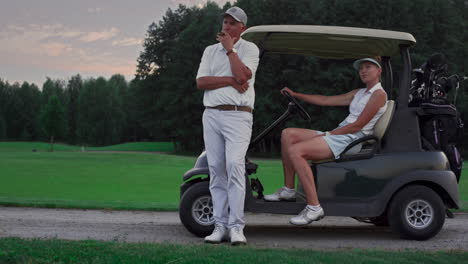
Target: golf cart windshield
[328,41]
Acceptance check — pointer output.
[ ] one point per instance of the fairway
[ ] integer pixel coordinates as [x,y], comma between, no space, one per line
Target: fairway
[143,181]
[97,180]
[42,146]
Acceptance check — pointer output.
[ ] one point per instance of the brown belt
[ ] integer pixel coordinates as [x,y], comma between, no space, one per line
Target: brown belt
[231,108]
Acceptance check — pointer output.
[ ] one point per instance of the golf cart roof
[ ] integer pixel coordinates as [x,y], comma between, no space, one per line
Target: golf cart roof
[328,41]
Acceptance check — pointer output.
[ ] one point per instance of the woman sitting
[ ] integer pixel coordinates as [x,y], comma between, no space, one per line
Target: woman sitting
[366,106]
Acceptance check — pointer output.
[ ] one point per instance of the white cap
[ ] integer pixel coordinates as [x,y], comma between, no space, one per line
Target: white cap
[238,14]
[357,63]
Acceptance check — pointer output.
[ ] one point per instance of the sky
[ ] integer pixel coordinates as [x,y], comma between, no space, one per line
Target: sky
[62,38]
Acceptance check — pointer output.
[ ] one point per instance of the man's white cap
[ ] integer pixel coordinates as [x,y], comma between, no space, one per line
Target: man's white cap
[238,14]
[357,63]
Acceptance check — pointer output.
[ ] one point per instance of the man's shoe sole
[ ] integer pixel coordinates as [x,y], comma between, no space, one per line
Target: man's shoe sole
[217,242]
[212,242]
[239,243]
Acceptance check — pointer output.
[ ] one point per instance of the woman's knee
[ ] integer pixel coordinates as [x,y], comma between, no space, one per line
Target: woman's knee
[288,135]
[295,152]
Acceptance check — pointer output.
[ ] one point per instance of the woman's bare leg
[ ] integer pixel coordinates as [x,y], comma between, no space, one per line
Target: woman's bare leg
[289,137]
[313,149]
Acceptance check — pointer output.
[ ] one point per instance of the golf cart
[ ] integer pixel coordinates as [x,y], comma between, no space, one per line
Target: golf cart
[390,180]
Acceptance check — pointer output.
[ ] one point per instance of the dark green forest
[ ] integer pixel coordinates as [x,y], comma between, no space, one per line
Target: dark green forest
[162,102]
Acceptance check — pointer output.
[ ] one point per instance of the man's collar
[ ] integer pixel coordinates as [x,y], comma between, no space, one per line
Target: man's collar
[236,46]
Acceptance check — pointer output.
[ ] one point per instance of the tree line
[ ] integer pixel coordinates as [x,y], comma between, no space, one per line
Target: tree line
[85,112]
[162,102]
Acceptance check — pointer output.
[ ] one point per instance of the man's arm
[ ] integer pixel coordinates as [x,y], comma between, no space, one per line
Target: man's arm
[211,83]
[241,72]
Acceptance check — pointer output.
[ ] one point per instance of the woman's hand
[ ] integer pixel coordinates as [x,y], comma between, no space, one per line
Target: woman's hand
[286,89]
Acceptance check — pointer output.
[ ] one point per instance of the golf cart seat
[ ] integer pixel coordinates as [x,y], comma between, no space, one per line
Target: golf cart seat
[366,147]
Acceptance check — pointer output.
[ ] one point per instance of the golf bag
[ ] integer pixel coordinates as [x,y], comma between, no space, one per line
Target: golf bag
[440,123]
[442,129]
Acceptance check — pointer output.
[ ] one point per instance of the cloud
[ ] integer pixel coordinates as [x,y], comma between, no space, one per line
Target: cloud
[31,31]
[99,35]
[198,3]
[53,40]
[70,34]
[36,32]
[128,68]
[58,48]
[94,10]
[127,42]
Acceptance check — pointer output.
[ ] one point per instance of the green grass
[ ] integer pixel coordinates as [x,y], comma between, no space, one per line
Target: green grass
[137,146]
[92,180]
[97,180]
[37,146]
[44,147]
[14,250]
[73,179]
[463,188]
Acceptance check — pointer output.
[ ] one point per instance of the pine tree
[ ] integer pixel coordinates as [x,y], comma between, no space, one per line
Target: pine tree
[52,119]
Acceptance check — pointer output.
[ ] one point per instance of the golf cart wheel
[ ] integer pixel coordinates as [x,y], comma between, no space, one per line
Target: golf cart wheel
[416,212]
[196,209]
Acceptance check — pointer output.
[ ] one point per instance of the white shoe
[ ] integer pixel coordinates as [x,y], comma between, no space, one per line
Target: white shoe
[307,216]
[281,194]
[237,236]
[219,234]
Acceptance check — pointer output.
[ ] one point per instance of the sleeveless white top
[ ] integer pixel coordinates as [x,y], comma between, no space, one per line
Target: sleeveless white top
[358,104]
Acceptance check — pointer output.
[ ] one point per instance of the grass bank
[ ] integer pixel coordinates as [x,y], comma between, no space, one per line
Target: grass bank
[59,251]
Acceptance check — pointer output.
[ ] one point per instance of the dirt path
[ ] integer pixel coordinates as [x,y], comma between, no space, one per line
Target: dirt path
[263,230]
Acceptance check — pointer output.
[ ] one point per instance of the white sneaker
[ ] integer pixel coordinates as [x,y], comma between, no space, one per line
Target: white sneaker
[219,234]
[281,194]
[237,236]
[307,216]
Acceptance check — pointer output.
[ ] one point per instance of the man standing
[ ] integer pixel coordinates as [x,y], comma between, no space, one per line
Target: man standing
[227,74]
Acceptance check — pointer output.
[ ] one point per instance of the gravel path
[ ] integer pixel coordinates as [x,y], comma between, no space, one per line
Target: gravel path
[263,230]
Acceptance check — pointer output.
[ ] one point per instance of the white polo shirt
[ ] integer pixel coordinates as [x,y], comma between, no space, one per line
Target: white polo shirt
[358,104]
[215,63]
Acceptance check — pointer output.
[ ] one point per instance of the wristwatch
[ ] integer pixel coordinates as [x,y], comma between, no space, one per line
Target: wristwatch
[233,50]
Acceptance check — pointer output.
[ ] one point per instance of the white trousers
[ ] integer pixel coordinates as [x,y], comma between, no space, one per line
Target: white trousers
[227,137]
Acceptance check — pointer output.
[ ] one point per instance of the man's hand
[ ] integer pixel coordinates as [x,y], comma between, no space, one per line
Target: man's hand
[241,88]
[286,89]
[226,40]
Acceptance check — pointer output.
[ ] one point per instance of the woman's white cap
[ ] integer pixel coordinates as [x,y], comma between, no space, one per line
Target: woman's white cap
[357,63]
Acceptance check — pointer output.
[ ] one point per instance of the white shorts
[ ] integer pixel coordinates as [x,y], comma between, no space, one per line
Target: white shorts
[338,143]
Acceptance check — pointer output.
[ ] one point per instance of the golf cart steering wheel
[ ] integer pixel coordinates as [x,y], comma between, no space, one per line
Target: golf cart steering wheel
[302,112]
